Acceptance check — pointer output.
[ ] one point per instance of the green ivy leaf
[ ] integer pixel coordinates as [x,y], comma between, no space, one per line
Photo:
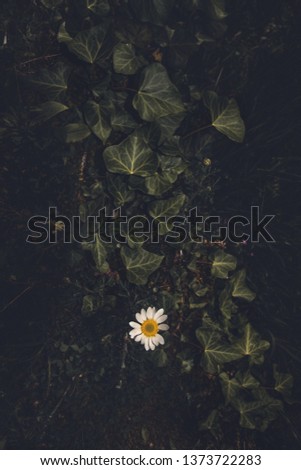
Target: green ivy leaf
[166,208]
[157,96]
[241,381]
[140,264]
[239,288]
[259,413]
[283,382]
[98,251]
[225,116]
[216,351]
[76,132]
[119,190]
[226,304]
[157,184]
[171,167]
[230,387]
[217,9]
[170,146]
[98,120]
[125,60]
[186,362]
[121,121]
[54,83]
[252,345]
[223,263]
[160,358]
[86,45]
[153,11]
[211,423]
[199,289]
[131,157]
[63,35]
[247,380]
[49,109]
[169,124]
[90,305]
[99,7]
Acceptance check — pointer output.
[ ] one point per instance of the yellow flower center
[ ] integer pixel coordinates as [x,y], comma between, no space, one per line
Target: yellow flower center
[149,328]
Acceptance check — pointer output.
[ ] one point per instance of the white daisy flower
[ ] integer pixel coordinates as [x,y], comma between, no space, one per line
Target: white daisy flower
[146,330]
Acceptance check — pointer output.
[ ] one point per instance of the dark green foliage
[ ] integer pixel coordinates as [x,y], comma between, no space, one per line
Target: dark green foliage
[137,107]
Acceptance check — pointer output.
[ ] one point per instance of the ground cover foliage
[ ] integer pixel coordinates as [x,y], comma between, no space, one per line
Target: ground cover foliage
[155,107]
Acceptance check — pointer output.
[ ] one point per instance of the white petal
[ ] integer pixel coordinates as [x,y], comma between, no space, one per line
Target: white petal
[150,312]
[143,339]
[138,338]
[155,341]
[139,317]
[151,344]
[159,313]
[135,332]
[161,319]
[143,314]
[133,324]
[146,344]
[160,338]
[163,327]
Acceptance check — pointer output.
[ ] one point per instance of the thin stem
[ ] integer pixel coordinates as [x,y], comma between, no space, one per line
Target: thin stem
[197,130]
[45,57]
[16,298]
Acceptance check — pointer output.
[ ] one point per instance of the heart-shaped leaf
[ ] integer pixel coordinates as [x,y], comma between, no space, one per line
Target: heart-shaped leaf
[76,132]
[121,121]
[247,380]
[157,184]
[118,188]
[98,120]
[171,167]
[54,83]
[167,207]
[259,413]
[283,382]
[140,264]
[169,124]
[226,304]
[90,305]
[131,157]
[125,60]
[225,116]
[231,386]
[223,263]
[216,351]
[163,209]
[49,109]
[86,45]
[252,345]
[239,287]
[157,96]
